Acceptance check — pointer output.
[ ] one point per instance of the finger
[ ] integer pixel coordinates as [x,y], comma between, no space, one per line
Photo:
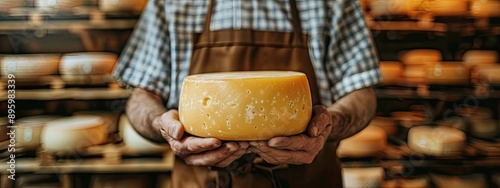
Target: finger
[299,142]
[278,156]
[236,155]
[193,145]
[320,120]
[213,157]
[266,157]
[170,124]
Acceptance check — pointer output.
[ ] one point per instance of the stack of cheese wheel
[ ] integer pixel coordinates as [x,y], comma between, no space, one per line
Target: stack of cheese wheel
[369,142]
[436,140]
[32,65]
[488,74]
[88,63]
[447,7]
[485,8]
[462,181]
[409,119]
[420,182]
[110,118]
[389,7]
[255,105]
[479,59]
[386,123]
[29,130]
[59,4]
[448,73]
[4,129]
[371,177]
[416,63]
[392,72]
[135,144]
[72,135]
[6,5]
[482,124]
[121,5]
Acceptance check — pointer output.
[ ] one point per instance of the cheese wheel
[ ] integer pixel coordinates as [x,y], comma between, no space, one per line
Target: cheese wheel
[245,105]
[436,141]
[447,7]
[448,73]
[464,181]
[32,65]
[426,57]
[455,122]
[71,135]
[407,183]
[121,5]
[29,130]
[484,8]
[367,143]
[409,119]
[4,122]
[110,118]
[392,72]
[483,128]
[362,177]
[478,57]
[88,63]
[135,144]
[59,4]
[386,123]
[489,73]
[389,7]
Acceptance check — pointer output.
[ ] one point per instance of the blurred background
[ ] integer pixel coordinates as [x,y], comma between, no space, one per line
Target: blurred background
[437,123]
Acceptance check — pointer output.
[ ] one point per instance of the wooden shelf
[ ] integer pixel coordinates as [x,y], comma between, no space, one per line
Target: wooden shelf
[69,94]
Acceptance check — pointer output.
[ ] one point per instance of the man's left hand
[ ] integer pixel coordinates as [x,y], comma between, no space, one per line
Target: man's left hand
[297,149]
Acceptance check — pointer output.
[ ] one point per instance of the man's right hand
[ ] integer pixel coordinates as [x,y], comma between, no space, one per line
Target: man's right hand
[197,151]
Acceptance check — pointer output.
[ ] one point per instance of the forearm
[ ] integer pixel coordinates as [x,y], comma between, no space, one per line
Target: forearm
[352,113]
[143,109]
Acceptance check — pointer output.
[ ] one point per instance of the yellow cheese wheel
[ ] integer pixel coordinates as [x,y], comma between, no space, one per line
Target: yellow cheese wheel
[485,8]
[72,135]
[447,7]
[87,63]
[135,144]
[59,4]
[483,128]
[389,7]
[421,57]
[448,73]
[463,181]
[110,118]
[31,65]
[367,143]
[477,57]
[489,73]
[409,119]
[254,105]
[121,5]
[436,141]
[29,130]
[386,123]
[371,177]
[392,72]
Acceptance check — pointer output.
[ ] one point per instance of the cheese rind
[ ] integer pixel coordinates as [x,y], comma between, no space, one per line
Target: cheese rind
[362,177]
[367,143]
[254,105]
[89,63]
[436,141]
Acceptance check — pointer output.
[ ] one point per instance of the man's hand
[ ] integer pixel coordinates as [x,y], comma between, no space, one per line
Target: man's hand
[194,150]
[298,149]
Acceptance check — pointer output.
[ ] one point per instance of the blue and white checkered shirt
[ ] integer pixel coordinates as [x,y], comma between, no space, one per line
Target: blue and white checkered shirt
[157,56]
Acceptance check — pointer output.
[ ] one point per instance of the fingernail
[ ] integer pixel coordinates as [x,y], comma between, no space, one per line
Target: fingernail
[315,131]
[254,144]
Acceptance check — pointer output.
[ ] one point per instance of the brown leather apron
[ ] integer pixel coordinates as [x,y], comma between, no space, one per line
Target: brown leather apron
[247,50]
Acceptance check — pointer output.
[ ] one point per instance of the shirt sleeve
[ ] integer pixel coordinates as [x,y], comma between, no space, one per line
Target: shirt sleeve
[352,62]
[145,60]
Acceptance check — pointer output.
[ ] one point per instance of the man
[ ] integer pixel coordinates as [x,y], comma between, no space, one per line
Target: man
[175,38]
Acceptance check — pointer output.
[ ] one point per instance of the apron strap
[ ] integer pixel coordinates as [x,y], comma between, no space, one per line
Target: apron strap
[296,25]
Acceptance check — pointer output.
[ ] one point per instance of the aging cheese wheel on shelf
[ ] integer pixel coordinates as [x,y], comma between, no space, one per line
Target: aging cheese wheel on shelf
[409,119]
[362,177]
[255,105]
[70,135]
[483,128]
[367,143]
[389,7]
[136,144]
[32,65]
[59,4]
[463,181]
[110,118]
[485,8]
[88,63]
[386,123]
[447,7]
[392,72]
[436,141]
[4,122]
[121,5]
[29,130]
[489,73]
[448,73]
[415,73]
[478,57]
[426,57]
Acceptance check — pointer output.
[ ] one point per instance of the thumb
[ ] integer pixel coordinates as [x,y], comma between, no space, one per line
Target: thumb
[170,124]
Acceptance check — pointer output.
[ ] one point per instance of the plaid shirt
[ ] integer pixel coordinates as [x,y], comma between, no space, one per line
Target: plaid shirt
[157,55]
